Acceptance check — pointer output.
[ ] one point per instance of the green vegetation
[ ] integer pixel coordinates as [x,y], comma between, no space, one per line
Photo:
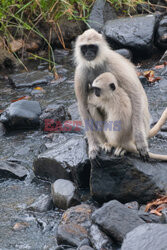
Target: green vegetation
[18,17]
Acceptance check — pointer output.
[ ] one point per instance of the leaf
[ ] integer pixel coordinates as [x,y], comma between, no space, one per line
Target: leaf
[39,88]
[157,205]
[148,74]
[159,66]
[22,98]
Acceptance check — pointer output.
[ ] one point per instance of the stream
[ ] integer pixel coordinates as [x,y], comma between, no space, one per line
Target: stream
[38,230]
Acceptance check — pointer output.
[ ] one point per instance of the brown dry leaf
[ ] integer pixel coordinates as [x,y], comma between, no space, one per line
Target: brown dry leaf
[1,111]
[159,66]
[156,203]
[22,98]
[148,74]
[39,88]
[154,211]
[15,45]
[154,79]
[20,226]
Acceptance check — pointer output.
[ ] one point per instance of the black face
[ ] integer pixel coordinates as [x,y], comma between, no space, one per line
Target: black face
[112,86]
[97,91]
[89,52]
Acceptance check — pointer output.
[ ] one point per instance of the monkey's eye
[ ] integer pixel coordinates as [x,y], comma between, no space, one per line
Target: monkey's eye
[112,86]
[84,48]
[97,91]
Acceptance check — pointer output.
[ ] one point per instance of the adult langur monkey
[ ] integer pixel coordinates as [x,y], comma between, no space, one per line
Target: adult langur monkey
[94,57]
[107,93]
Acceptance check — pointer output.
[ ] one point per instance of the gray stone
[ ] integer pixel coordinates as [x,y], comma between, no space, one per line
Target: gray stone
[30,79]
[42,204]
[133,205]
[2,129]
[164,57]
[99,239]
[101,12]
[128,178]
[116,219]
[149,218]
[125,52]
[74,225]
[12,169]
[85,248]
[73,110]
[22,114]
[147,236]
[64,194]
[65,159]
[134,33]
[161,34]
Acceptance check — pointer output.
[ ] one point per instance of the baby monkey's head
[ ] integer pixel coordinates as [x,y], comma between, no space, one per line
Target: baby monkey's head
[105,85]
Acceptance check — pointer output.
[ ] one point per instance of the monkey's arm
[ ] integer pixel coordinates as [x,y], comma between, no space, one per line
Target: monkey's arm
[81,91]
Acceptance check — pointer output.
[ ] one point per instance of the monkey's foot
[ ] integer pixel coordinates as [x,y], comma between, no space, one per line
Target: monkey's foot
[106,147]
[93,152]
[143,152]
[119,151]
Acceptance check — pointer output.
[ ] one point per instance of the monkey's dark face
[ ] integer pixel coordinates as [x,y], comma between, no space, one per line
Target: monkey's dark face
[89,52]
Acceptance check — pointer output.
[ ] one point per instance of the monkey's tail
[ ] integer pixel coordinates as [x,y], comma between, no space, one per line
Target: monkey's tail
[158,125]
[158,156]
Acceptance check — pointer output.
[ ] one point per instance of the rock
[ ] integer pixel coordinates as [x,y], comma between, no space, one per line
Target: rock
[64,194]
[99,239]
[74,225]
[125,52]
[52,115]
[163,85]
[84,243]
[22,114]
[161,35]
[73,110]
[134,33]
[2,129]
[127,179]
[42,204]
[144,81]
[7,60]
[116,219]
[163,218]
[147,236]
[12,169]
[101,12]
[30,79]
[20,226]
[16,45]
[65,159]
[133,205]
[164,57]
[86,248]
[149,218]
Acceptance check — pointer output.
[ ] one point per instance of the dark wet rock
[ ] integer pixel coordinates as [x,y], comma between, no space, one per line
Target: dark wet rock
[143,80]
[74,225]
[53,116]
[84,243]
[160,6]
[64,194]
[73,110]
[12,169]
[99,239]
[134,33]
[65,159]
[22,114]
[149,218]
[147,236]
[7,60]
[164,57]
[101,12]
[116,219]
[161,35]
[133,205]
[30,79]
[144,8]
[127,179]
[44,203]
[2,129]
[125,52]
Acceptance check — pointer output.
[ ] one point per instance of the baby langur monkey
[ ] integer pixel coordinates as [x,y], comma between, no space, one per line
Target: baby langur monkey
[116,104]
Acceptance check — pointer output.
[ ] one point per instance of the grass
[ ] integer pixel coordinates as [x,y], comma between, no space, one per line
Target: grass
[23,16]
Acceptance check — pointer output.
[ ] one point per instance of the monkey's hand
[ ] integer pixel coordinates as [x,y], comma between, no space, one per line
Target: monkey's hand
[119,151]
[143,151]
[106,147]
[93,151]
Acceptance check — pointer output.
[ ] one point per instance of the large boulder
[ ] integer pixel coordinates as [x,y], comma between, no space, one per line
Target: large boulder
[101,12]
[22,114]
[116,219]
[161,35]
[66,158]
[135,33]
[127,179]
[147,236]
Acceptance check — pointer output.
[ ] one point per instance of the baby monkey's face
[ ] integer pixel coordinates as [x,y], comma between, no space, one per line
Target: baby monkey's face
[105,85]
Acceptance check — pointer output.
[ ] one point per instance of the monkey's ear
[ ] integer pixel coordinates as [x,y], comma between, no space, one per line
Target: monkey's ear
[112,86]
[97,91]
